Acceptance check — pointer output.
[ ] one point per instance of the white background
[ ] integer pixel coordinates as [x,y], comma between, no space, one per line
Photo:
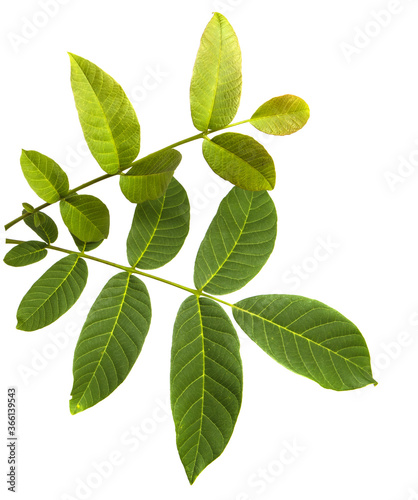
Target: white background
[340,179]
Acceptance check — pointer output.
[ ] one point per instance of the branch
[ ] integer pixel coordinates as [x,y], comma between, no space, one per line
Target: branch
[131,270]
[108,176]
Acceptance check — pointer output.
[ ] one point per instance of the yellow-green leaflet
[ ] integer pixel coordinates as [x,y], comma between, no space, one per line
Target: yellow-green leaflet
[215,89]
[281,115]
[44,176]
[108,120]
[86,217]
[241,160]
[150,177]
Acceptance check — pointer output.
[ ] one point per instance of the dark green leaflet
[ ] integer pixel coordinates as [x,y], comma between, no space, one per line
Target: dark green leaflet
[206,382]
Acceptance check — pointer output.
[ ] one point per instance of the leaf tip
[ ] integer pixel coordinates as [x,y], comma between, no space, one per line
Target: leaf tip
[23,156]
[74,59]
[219,16]
[191,475]
[271,183]
[75,407]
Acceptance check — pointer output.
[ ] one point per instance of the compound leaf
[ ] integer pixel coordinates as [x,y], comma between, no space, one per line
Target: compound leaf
[44,176]
[309,338]
[159,228]
[205,381]
[149,177]
[86,217]
[238,242]
[53,294]
[108,120]
[26,253]
[241,160]
[282,115]
[215,89]
[110,341]
[47,230]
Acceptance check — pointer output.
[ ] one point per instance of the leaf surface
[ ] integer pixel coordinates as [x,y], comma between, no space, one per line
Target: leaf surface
[53,294]
[44,176]
[108,120]
[86,217]
[206,382]
[282,115]
[86,246]
[241,160]
[215,89]
[110,341]
[149,177]
[26,253]
[309,338]
[159,228]
[47,230]
[237,243]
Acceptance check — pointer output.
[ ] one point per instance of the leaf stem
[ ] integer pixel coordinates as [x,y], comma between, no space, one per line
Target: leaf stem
[107,176]
[118,266]
[217,300]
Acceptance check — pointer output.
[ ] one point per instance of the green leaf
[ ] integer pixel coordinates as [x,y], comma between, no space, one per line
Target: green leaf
[53,294]
[205,381]
[149,177]
[108,120]
[86,217]
[28,207]
[48,230]
[85,246]
[241,160]
[215,89]
[309,338]
[110,341]
[238,242]
[26,253]
[44,176]
[38,220]
[159,229]
[281,115]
